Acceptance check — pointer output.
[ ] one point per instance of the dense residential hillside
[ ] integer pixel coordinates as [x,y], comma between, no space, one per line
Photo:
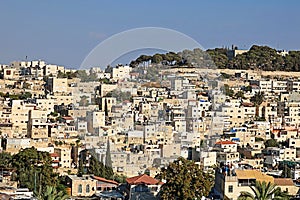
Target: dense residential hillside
[258,57]
[83,133]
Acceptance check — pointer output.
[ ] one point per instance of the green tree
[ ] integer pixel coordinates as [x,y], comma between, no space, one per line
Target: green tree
[258,139]
[258,98]
[84,100]
[219,56]
[271,143]
[80,169]
[61,74]
[97,168]
[225,76]
[50,193]
[184,180]
[143,58]
[25,95]
[157,58]
[240,94]
[105,108]
[5,160]
[248,88]
[286,167]
[104,80]
[33,169]
[108,162]
[286,172]
[228,91]
[119,95]
[84,77]
[263,191]
[120,178]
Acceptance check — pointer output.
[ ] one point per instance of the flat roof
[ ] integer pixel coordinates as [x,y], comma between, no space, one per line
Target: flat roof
[254,174]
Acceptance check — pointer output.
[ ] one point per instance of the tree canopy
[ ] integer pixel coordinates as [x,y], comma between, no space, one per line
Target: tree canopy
[184,180]
[258,57]
[95,166]
[271,143]
[32,169]
[258,98]
[119,95]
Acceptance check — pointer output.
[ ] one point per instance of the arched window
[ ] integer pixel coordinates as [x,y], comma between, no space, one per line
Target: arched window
[87,188]
[79,188]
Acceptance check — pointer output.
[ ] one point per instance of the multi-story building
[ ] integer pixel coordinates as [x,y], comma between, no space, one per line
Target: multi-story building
[53,70]
[37,124]
[64,153]
[19,113]
[57,85]
[107,103]
[120,72]
[95,119]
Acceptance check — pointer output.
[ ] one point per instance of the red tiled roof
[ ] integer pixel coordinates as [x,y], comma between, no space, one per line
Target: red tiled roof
[142,179]
[275,131]
[104,128]
[225,142]
[105,180]
[247,104]
[54,155]
[68,118]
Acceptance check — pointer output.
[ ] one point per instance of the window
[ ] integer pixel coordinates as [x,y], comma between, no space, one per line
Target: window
[87,188]
[79,188]
[230,188]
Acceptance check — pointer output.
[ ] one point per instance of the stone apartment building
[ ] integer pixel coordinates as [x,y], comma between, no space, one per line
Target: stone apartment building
[95,119]
[64,153]
[57,85]
[37,124]
[19,113]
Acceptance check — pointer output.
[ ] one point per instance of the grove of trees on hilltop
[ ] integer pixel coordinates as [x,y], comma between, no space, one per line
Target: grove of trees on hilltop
[258,57]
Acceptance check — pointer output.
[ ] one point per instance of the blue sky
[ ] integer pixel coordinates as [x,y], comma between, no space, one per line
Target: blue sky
[64,32]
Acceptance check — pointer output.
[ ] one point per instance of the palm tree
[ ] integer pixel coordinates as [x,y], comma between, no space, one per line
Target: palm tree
[52,194]
[263,191]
